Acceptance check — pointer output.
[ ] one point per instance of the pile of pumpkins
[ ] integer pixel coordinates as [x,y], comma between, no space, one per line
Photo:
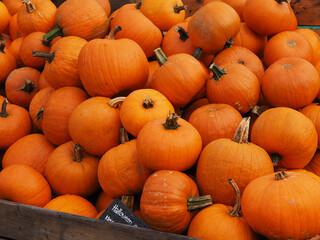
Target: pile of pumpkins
[211,122]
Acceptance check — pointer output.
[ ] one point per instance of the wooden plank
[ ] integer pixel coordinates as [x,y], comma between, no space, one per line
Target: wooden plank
[19,221]
[307,12]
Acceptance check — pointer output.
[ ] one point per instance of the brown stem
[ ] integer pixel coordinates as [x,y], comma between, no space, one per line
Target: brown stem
[28,86]
[242,133]
[123,135]
[280,175]
[217,72]
[235,211]
[147,103]
[275,157]
[228,43]
[113,32]
[138,3]
[177,9]
[128,201]
[171,122]
[257,110]
[30,7]
[161,57]
[4,112]
[281,1]
[39,114]
[183,34]
[47,56]
[197,53]
[2,46]
[115,102]
[194,203]
[78,153]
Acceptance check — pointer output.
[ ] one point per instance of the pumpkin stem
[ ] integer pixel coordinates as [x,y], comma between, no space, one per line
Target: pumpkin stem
[242,133]
[228,43]
[115,102]
[257,110]
[53,33]
[275,157]
[161,57]
[28,86]
[147,103]
[2,46]
[183,34]
[194,203]
[281,175]
[235,211]
[171,122]
[30,7]
[197,53]
[138,3]
[217,72]
[78,153]
[177,9]
[128,201]
[47,56]
[123,135]
[4,112]
[281,1]
[39,114]
[113,32]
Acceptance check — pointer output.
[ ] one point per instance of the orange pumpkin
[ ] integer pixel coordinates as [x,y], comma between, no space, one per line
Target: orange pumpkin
[314,164]
[5,17]
[43,82]
[312,37]
[14,49]
[194,106]
[14,29]
[103,202]
[105,5]
[153,66]
[235,4]
[12,5]
[23,184]
[7,62]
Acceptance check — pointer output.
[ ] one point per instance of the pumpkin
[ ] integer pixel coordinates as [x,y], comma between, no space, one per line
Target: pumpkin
[287,135]
[241,55]
[21,85]
[88,126]
[142,106]
[14,49]
[290,82]
[138,28]
[177,40]
[179,78]
[269,17]
[176,147]
[284,195]
[312,37]
[288,44]
[194,106]
[108,67]
[61,68]
[168,200]
[23,184]
[57,112]
[164,14]
[122,161]
[212,26]
[32,150]
[70,170]
[153,66]
[105,5]
[81,18]
[233,84]
[314,164]
[36,16]
[235,4]
[12,6]
[15,123]
[103,202]
[220,222]
[234,158]
[43,82]
[214,121]
[7,62]
[306,172]
[5,17]
[33,42]
[72,204]
[36,107]
[14,29]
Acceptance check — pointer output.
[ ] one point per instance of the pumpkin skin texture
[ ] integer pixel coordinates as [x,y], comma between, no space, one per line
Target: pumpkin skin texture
[312,111]
[306,172]
[14,48]
[234,158]
[103,202]
[312,37]
[194,106]
[179,78]
[138,28]
[5,17]
[32,150]
[105,5]
[122,161]
[153,66]
[12,6]
[233,84]
[43,82]
[57,112]
[177,148]
[15,123]
[23,184]
[7,62]
[108,67]
[288,133]
[163,202]
[213,25]
[72,204]
[36,16]
[21,85]
[164,14]
[89,128]
[70,170]
[14,29]
[256,14]
[142,106]
[235,4]
[214,121]
[314,164]
[267,201]
[288,44]
[290,82]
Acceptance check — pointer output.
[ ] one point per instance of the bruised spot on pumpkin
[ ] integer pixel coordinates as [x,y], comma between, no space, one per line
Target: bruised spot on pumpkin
[291,43]
[212,109]
[286,66]
[237,104]
[155,202]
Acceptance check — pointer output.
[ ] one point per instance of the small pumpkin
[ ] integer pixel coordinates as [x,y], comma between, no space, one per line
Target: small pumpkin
[7,62]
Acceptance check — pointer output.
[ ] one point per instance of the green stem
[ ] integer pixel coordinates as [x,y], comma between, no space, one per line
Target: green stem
[4,112]
[194,203]
[235,211]
[55,32]
[183,34]
[47,56]
[161,57]
[177,9]
[217,72]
